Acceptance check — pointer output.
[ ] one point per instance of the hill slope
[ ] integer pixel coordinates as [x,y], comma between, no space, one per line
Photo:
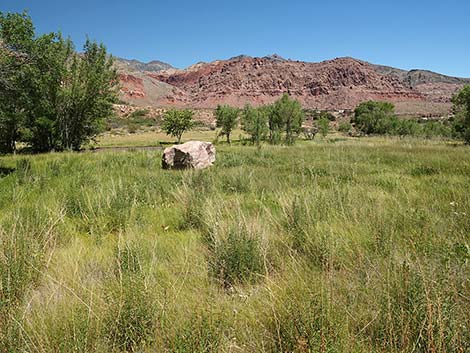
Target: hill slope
[136,65]
[341,83]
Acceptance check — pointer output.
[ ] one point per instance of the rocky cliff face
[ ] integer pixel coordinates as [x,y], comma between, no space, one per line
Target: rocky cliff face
[334,84]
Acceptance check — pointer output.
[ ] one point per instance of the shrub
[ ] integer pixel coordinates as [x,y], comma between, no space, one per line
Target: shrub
[344,126]
[314,245]
[69,328]
[423,170]
[416,314]
[132,128]
[23,169]
[317,115]
[18,259]
[296,222]
[303,321]
[236,258]
[139,113]
[193,206]
[201,333]
[130,318]
[128,259]
[323,126]
[436,129]
[310,132]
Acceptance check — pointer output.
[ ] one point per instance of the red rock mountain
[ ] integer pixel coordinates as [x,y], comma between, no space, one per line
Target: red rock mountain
[333,85]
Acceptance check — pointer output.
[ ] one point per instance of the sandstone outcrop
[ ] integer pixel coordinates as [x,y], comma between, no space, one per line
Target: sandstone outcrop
[336,84]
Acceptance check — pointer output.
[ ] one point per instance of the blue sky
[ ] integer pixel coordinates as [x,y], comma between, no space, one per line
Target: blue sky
[433,35]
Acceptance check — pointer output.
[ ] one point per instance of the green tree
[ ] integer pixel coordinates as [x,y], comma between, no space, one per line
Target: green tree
[344,126]
[254,122]
[275,123]
[374,117]
[289,115]
[88,91]
[176,122]
[42,88]
[227,119]
[16,40]
[461,101]
[50,96]
[323,126]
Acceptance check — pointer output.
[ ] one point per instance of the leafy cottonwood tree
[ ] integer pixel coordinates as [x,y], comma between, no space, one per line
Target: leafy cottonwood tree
[374,117]
[227,119]
[50,96]
[16,36]
[176,122]
[461,101]
[275,123]
[323,126]
[289,112]
[254,122]
[87,94]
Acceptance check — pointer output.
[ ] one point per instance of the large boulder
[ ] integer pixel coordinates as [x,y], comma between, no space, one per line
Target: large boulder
[192,154]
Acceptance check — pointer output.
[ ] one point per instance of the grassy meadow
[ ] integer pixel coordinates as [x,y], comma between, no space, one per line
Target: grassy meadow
[340,245]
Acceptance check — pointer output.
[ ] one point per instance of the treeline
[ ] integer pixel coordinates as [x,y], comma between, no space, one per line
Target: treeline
[283,121]
[378,118]
[280,122]
[51,97]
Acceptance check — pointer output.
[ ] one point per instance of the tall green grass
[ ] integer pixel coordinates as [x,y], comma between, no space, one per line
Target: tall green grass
[347,246]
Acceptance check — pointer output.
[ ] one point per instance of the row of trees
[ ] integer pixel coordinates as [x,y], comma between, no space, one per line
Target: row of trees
[51,98]
[279,121]
[282,121]
[379,118]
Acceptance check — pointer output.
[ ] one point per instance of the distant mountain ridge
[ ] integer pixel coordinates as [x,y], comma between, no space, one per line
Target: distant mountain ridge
[336,84]
[136,65]
[416,76]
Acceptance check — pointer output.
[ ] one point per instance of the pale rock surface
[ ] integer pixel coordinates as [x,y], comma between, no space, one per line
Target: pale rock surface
[192,154]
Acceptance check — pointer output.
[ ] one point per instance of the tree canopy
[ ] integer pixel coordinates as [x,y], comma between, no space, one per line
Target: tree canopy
[374,117]
[176,122]
[254,122]
[288,113]
[51,97]
[461,101]
[227,119]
